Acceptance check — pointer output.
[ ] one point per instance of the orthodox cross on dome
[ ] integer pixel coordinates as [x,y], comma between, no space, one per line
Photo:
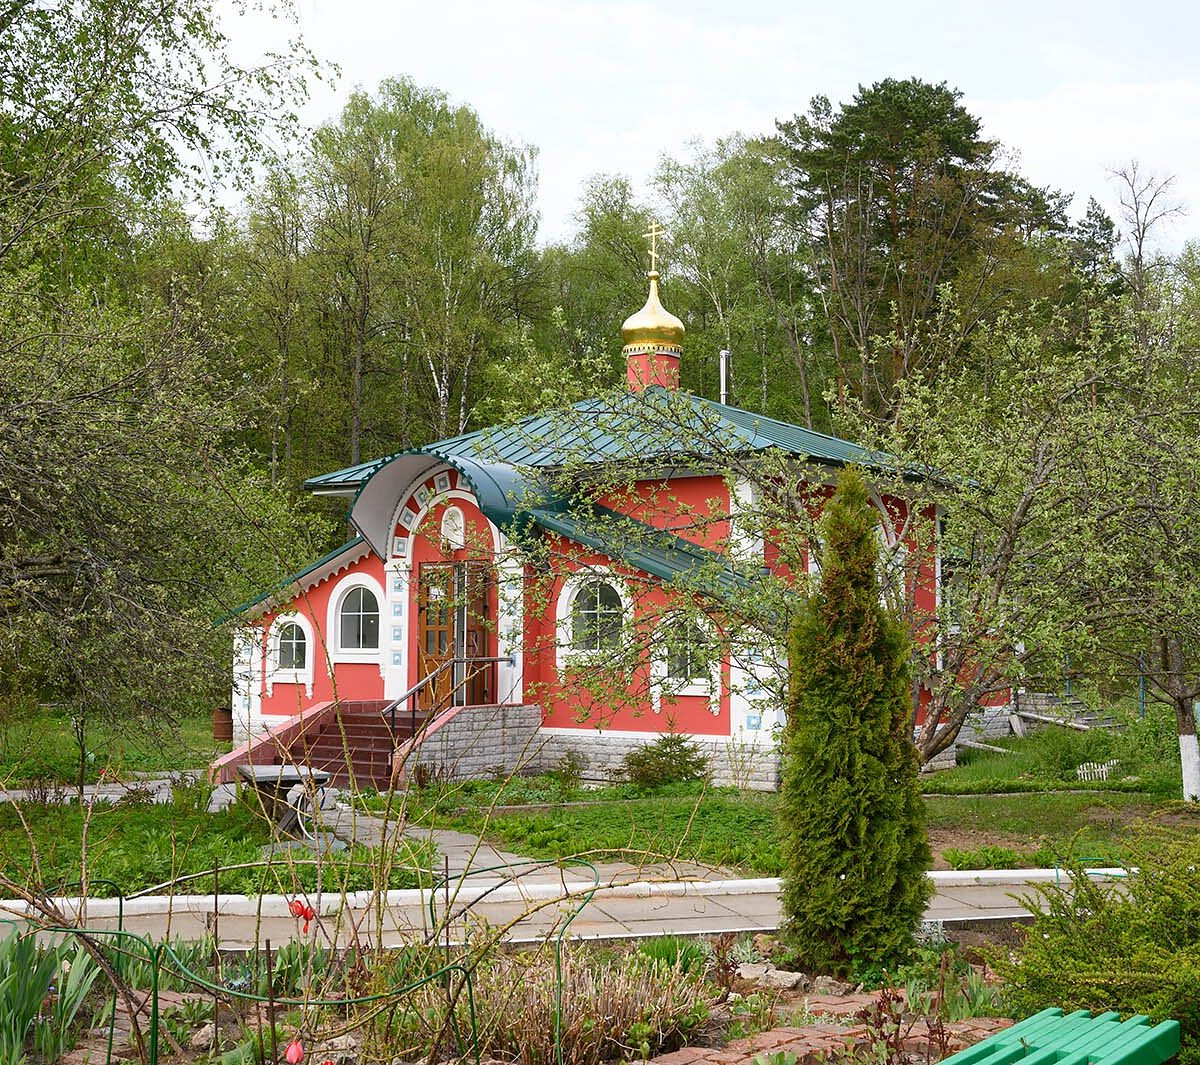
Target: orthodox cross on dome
[656,231]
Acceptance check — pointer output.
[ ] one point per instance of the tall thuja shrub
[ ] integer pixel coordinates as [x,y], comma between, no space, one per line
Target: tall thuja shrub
[853,831]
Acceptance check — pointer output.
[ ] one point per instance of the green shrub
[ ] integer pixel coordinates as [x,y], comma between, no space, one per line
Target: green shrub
[940,982]
[670,759]
[852,823]
[987,857]
[42,990]
[1133,947]
[675,951]
[568,774]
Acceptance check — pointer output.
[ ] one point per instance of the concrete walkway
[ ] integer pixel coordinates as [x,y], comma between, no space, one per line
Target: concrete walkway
[528,909]
[525,900]
[530,902]
[154,787]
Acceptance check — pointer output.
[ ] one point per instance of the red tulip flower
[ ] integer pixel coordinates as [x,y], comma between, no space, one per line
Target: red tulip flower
[295,1052]
[300,909]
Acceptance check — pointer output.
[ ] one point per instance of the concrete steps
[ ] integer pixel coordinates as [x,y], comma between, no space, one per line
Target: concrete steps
[354,745]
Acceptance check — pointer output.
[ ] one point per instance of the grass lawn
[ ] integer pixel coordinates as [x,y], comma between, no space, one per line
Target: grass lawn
[139,845]
[41,747]
[1145,752]
[723,827]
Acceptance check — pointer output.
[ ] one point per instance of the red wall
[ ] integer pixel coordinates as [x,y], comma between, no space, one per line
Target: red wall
[349,680]
[695,508]
[578,694]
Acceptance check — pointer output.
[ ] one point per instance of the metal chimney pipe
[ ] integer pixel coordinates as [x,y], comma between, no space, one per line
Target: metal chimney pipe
[724,360]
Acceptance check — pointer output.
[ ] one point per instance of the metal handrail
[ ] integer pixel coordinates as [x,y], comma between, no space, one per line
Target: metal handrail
[389,711]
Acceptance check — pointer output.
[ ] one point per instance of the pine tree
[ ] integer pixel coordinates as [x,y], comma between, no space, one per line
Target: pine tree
[853,832]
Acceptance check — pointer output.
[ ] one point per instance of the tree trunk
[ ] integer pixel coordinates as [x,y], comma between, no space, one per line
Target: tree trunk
[1182,697]
[1189,749]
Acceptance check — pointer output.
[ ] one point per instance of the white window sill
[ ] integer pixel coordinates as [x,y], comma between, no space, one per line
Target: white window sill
[290,676]
[368,655]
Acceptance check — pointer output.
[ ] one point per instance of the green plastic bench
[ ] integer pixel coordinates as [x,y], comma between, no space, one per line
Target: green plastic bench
[1054,1038]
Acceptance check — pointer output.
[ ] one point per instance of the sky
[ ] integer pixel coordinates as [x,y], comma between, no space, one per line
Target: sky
[1073,90]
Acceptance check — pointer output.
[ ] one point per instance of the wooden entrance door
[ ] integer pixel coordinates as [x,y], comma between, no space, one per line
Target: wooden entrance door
[454,601]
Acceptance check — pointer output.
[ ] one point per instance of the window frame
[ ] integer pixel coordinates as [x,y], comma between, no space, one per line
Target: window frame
[568,652]
[361,613]
[278,674]
[664,687]
[333,627]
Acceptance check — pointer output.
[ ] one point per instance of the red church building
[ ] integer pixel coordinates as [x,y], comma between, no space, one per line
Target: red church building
[560,584]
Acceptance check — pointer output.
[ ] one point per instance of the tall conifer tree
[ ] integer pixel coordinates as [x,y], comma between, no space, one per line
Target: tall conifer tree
[853,832]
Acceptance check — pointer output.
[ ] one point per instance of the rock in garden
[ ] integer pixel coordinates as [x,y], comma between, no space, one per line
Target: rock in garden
[341,1049]
[827,985]
[782,980]
[753,971]
[203,1038]
[765,945]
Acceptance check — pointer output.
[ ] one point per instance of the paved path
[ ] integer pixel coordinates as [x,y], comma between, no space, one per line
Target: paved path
[156,787]
[531,908]
[525,900]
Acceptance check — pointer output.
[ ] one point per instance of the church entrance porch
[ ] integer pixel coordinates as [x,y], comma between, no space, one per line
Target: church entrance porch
[454,637]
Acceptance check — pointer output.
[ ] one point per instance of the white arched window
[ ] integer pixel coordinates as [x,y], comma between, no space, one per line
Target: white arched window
[290,652]
[292,647]
[354,624]
[596,616]
[591,614]
[454,529]
[358,620]
[687,650]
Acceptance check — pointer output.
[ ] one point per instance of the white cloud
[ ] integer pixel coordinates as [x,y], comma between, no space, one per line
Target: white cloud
[602,86]
[1076,135]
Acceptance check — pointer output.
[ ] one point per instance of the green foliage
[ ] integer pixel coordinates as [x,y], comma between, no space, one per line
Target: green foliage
[54,1034]
[939,982]
[775,1057]
[675,952]
[986,857]
[126,525]
[724,829]
[899,183]
[851,818]
[140,846]
[1046,760]
[26,974]
[1133,947]
[568,774]
[671,758]
[40,745]
[32,976]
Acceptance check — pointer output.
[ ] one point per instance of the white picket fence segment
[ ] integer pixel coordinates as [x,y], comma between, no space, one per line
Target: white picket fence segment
[1096,770]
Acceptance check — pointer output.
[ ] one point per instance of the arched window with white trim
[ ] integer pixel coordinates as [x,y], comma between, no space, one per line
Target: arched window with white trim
[597,614]
[685,661]
[290,652]
[292,647]
[687,650]
[591,614]
[358,620]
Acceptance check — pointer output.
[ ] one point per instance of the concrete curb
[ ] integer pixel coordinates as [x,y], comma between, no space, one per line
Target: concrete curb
[498,891]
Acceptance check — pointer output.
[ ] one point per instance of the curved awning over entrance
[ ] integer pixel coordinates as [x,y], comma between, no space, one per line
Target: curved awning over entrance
[503,494]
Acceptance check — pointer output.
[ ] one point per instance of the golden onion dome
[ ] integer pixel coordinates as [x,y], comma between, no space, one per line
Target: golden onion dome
[653,328]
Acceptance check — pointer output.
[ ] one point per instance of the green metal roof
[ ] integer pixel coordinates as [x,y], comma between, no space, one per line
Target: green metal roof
[654,424]
[655,551]
[288,582]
